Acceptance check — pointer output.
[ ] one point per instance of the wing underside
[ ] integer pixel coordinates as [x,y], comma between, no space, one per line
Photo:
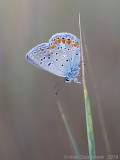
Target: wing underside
[62,51]
[41,57]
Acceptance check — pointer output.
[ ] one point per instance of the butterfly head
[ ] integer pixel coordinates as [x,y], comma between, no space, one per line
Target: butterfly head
[68,79]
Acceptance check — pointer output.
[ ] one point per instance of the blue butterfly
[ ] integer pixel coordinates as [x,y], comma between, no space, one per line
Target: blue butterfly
[60,56]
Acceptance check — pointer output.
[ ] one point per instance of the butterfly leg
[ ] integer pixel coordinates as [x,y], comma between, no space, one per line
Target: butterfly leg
[80,75]
[59,83]
[81,63]
[76,81]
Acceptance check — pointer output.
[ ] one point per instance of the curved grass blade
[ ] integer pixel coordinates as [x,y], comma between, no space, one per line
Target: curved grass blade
[68,130]
[90,132]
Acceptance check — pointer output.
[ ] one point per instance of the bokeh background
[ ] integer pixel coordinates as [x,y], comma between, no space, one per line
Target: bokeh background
[31,127]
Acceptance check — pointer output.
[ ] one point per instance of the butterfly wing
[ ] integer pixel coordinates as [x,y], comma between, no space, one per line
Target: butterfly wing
[41,57]
[66,51]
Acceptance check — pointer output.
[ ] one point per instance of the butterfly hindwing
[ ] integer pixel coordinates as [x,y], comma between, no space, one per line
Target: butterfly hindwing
[66,50]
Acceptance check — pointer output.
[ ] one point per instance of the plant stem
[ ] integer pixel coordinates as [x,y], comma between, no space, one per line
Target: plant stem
[90,132]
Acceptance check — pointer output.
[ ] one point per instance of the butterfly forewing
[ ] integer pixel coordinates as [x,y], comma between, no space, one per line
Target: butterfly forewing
[41,57]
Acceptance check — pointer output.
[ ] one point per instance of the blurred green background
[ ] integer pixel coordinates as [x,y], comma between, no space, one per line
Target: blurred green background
[31,127]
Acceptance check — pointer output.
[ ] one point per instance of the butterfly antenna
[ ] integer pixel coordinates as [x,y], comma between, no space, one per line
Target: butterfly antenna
[56,85]
[80,75]
[60,83]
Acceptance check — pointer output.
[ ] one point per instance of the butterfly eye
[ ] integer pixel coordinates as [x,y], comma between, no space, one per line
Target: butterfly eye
[63,38]
[66,79]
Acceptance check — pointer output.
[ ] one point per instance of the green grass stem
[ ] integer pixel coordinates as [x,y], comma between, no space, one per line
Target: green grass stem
[90,132]
[99,106]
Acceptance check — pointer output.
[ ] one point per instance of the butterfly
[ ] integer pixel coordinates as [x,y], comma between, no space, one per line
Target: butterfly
[60,56]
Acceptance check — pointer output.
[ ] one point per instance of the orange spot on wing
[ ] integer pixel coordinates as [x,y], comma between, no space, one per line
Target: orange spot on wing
[63,40]
[59,40]
[75,44]
[51,52]
[40,52]
[52,47]
[44,51]
[68,41]
[55,42]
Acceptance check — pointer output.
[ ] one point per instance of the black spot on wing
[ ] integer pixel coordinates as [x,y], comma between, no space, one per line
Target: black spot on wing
[49,64]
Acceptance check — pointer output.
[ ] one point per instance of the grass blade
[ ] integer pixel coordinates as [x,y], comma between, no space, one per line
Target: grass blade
[99,107]
[68,130]
[90,133]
